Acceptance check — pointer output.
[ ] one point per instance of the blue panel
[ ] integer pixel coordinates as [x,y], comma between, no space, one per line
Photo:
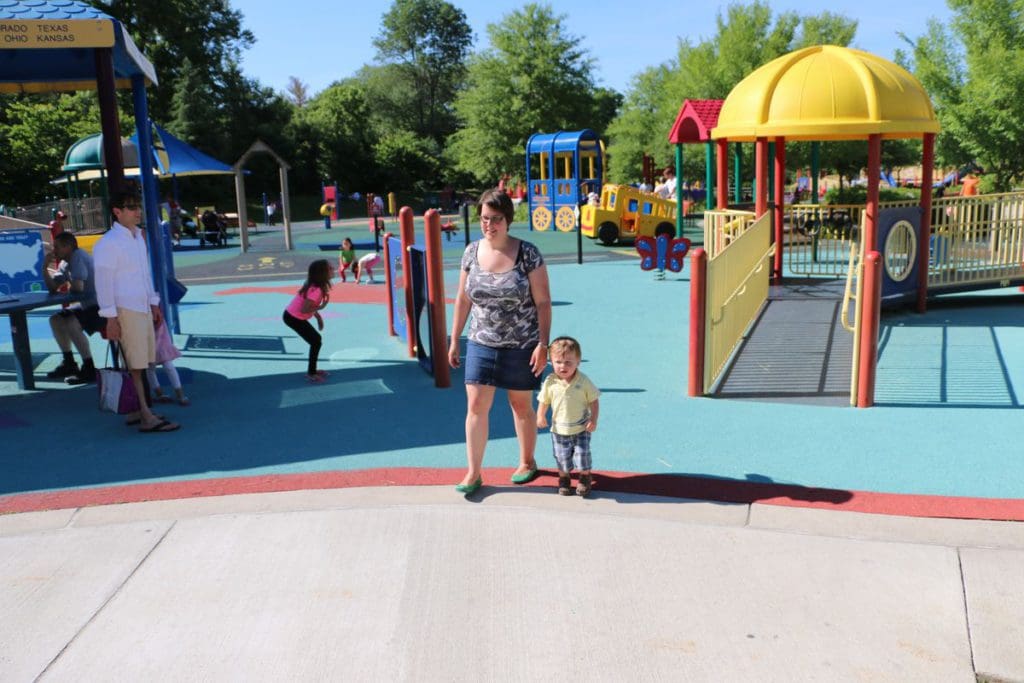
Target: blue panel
[906,286]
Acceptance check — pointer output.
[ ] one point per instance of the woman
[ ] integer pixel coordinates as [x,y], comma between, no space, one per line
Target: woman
[504,283]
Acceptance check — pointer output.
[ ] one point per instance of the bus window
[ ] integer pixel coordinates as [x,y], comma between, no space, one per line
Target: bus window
[538,166]
[647,208]
[611,200]
[563,165]
[632,205]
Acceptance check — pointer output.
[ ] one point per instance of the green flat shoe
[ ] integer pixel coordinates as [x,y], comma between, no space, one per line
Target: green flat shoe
[524,477]
[467,489]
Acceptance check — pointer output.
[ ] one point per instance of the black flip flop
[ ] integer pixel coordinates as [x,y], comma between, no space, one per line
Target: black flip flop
[161,426]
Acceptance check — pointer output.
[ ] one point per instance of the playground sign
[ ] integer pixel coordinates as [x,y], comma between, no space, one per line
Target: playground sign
[49,33]
[21,262]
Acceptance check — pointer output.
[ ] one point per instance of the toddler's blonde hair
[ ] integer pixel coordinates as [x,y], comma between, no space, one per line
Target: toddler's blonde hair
[564,345]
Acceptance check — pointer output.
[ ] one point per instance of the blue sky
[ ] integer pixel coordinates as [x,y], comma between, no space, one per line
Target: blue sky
[321,41]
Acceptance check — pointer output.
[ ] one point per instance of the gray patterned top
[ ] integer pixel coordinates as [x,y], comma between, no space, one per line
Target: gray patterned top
[503,313]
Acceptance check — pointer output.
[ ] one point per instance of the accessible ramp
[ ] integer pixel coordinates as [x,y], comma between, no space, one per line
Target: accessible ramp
[796,351]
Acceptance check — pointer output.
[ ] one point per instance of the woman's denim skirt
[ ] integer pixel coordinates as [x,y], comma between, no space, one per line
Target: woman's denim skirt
[502,368]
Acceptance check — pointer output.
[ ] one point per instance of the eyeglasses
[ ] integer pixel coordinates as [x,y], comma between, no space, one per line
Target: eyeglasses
[132,207]
[496,219]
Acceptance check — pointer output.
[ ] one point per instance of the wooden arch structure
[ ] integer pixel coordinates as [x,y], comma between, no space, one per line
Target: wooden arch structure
[243,217]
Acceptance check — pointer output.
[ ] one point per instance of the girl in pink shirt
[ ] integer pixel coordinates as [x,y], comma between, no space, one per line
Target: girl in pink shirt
[311,298]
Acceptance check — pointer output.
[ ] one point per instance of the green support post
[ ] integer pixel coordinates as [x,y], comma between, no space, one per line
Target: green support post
[679,188]
[709,175]
[815,170]
[737,176]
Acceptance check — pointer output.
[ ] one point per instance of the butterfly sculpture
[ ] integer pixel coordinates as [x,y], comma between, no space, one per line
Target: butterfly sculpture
[661,252]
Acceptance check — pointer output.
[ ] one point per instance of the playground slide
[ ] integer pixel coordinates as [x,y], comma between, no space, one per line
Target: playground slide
[887,177]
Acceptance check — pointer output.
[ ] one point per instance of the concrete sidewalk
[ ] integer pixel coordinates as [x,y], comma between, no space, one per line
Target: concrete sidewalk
[418,583]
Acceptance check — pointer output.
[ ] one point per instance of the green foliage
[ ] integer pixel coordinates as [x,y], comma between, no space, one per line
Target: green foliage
[858,194]
[412,162]
[333,137]
[747,37]
[34,136]
[535,77]
[974,72]
[207,34]
[424,45]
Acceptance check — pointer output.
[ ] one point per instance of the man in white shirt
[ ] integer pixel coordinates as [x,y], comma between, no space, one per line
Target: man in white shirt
[127,299]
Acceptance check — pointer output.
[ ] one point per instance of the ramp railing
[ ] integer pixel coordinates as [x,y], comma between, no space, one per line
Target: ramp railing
[854,292]
[737,288]
[722,227]
[977,240]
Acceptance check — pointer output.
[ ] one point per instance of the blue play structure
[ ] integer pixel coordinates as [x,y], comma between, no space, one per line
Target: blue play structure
[561,170]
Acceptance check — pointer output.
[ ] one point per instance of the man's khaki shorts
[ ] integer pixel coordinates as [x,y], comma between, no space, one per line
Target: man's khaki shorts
[138,340]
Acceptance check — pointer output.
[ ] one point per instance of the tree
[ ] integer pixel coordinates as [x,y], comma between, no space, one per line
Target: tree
[336,139]
[425,44]
[974,72]
[34,136]
[206,33]
[747,37]
[534,77]
[195,115]
[297,92]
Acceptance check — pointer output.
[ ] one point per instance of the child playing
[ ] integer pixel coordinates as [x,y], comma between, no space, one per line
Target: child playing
[365,264]
[166,352]
[347,258]
[311,298]
[573,399]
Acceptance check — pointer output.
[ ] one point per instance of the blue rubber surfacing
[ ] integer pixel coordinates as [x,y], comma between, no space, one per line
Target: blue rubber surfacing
[948,420]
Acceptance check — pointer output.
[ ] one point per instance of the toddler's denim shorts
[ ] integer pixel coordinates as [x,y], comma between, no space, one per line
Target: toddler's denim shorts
[502,368]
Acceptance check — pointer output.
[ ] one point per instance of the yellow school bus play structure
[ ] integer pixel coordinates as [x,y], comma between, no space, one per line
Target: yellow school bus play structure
[626,213]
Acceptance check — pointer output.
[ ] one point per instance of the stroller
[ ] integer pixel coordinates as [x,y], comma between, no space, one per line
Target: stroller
[214,229]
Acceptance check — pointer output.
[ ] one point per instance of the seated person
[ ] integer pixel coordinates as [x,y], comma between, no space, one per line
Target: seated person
[72,270]
[214,228]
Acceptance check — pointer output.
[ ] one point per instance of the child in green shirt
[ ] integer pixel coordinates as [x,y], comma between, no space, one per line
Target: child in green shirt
[347,257]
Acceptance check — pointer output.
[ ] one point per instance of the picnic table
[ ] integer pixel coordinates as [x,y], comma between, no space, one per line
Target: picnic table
[16,306]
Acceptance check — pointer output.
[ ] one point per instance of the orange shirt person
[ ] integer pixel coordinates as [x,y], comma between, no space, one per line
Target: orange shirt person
[970,186]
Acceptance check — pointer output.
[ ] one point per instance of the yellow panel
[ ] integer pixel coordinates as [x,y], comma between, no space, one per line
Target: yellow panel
[59,86]
[35,34]
[737,287]
[87,242]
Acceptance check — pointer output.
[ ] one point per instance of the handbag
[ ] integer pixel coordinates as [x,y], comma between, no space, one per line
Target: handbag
[117,391]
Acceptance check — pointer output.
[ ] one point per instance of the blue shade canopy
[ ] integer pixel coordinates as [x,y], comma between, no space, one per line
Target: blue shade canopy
[48,45]
[178,158]
[171,157]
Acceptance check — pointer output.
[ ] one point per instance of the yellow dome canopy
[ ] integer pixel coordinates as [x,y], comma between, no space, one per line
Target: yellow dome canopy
[827,92]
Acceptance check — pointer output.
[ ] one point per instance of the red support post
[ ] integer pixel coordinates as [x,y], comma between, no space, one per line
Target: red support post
[780,207]
[722,171]
[874,179]
[435,300]
[924,243]
[389,285]
[407,232]
[106,91]
[869,325]
[761,177]
[698,320]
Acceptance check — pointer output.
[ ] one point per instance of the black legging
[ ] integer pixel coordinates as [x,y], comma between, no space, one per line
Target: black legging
[305,330]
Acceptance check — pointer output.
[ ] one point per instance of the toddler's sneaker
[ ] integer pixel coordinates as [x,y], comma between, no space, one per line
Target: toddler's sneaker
[583,488]
[564,485]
